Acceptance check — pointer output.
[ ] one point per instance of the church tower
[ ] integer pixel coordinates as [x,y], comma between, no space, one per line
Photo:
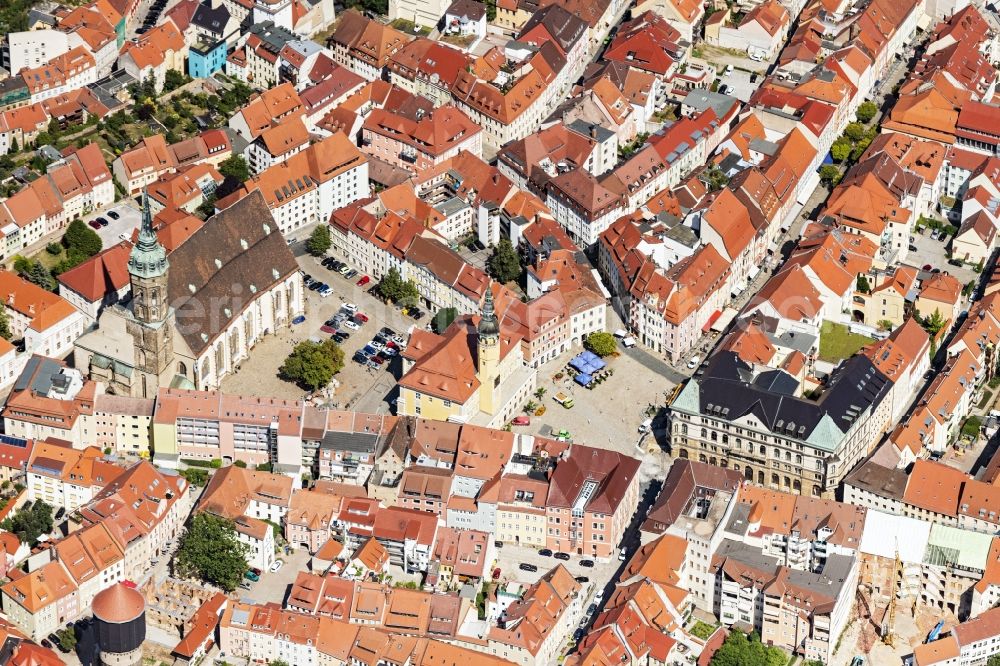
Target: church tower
[488,347]
[152,318]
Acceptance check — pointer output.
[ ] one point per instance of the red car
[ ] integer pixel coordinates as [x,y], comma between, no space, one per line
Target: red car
[521,420]
[927,267]
[361,317]
[496,574]
[326,328]
[392,345]
[364,280]
[94,224]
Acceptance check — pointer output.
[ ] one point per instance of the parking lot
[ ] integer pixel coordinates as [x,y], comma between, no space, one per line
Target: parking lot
[274,586]
[359,387]
[934,253]
[129,218]
[741,84]
[510,558]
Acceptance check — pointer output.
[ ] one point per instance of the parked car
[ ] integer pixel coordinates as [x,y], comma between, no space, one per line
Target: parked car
[364,280]
[359,357]
[46,644]
[562,556]
[113,214]
[249,575]
[369,350]
[94,224]
[351,274]
[103,222]
[325,291]
[256,570]
[276,566]
[587,563]
[378,359]
[545,552]
[582,579]
[351,325]
[361,317]
[521,420]
[349,307]
[386,331]
[496,574]
[299,320]
[524,566]
[927,267]
[372,364]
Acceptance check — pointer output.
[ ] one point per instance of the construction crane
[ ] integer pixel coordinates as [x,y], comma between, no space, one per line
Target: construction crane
[890,614]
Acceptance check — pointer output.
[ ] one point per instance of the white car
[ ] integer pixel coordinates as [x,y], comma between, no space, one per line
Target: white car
[377,345]
[693,363]
[350,307]
[325,292]
[276,566]
[351,325]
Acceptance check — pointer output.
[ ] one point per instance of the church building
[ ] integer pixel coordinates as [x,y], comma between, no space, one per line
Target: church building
[192,317]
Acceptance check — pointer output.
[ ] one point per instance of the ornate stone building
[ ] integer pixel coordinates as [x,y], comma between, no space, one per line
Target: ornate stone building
[190,321]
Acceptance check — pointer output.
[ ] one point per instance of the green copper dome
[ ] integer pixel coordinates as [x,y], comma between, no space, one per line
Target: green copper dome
[148,258]
[489,327]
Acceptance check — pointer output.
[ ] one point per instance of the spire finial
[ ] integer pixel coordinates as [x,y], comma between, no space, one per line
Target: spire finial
[148,257]
[488,324]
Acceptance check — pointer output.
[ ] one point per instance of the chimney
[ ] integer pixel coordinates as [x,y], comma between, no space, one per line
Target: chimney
[593,131]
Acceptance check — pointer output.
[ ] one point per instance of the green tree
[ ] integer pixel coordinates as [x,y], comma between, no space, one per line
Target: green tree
[235,167]
[715,178]
[211,552]
[885,324]
[443,319]
[934,323]
[5,331]
[854,131]
[174,80]
[972,426]
[239,463]
[864,286]
[398,290]
[841,149]
[40,275]
[207,207]
[829,175]
[491,10]
[67,639]
[29,524]
[80,237]
[742,650]
[196,477]
[993,661]
[504,265]
[867,111]
[264,467]
[601,343]
[319,241]
[313,364]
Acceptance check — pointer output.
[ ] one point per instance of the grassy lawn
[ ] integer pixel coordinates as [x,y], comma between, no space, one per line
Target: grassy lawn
[836,342]
[702,630]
